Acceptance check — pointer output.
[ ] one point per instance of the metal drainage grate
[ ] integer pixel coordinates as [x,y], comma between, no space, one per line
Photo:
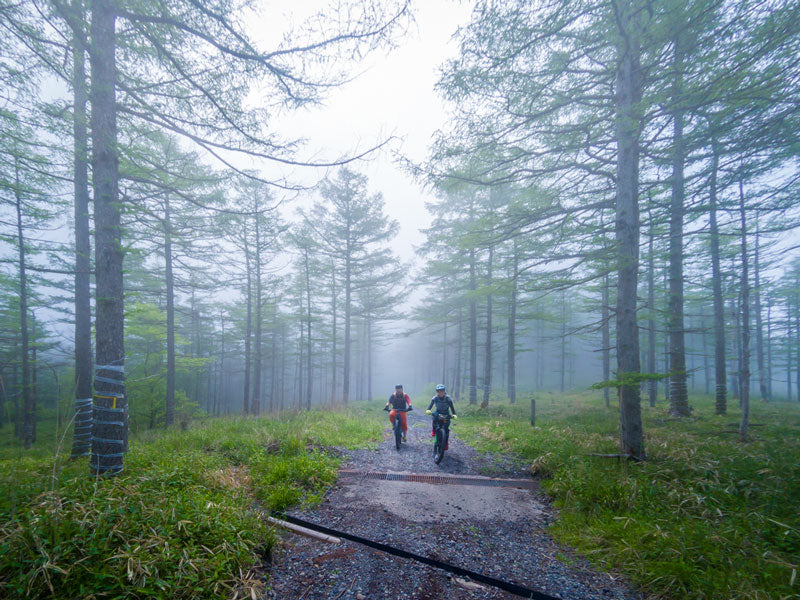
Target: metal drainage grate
[439,479]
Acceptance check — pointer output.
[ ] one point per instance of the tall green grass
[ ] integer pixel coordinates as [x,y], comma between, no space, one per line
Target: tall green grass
[179,522]
[705,517]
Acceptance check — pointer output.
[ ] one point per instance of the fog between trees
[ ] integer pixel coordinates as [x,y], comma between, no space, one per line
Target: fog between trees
[616,203]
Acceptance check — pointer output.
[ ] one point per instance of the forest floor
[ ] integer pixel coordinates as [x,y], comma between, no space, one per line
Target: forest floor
[707,516]
[496,531]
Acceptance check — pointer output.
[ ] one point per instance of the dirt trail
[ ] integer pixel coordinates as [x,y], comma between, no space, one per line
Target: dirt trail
[496,531]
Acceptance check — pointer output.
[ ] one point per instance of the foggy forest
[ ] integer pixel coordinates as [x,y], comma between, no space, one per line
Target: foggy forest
[230,230]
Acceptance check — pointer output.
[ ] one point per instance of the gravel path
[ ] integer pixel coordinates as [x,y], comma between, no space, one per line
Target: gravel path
[497,531]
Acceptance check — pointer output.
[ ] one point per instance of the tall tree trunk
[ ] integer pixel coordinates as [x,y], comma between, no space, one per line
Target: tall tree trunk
[797,339]
[737,311]
[652,385]
[369,357]
[457,383]
[769,347]
[3,398]
[361,329]
[223,387]
[14,391]
[745,366]
[27,398]
[678,398]
[487,373]
[82,430]
[308,341]
[628,125]
[170,285]
[735,345]
[706,374]
[540,353]
[301,348]
[512,329]
[111,406]
[34,377]
[282,387]
[762,375]
[563,369]
[334,333]
[255,405]
[274,358]
[473,332]
[248,329]
[444,354]
[606,339]
[347,313]
[667,356]
[789,350]
[194,347]
[720,370]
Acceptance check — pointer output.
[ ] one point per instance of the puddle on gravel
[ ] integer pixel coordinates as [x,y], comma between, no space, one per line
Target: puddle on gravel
[450,502]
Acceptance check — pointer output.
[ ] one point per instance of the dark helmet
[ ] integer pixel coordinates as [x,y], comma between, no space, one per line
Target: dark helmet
[399,386]
[440,387]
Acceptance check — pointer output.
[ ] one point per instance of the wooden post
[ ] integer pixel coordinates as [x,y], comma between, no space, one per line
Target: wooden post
[533,411]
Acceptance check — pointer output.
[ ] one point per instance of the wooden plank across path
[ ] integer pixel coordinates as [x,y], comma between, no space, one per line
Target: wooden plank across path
[440,479]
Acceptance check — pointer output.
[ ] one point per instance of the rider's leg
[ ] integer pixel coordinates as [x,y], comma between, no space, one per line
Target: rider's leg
[447,435]
[392,415]
[433,423]
[403,422]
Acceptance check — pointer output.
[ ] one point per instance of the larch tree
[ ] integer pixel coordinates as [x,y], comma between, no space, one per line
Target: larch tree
[182,92]
[350,226]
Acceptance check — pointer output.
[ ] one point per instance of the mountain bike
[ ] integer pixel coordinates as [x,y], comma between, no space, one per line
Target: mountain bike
[398,429]
[442,435]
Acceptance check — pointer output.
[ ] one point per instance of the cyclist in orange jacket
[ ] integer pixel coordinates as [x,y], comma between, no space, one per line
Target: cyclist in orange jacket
[400,403]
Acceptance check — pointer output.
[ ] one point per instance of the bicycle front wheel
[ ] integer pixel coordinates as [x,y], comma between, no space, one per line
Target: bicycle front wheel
[438,447]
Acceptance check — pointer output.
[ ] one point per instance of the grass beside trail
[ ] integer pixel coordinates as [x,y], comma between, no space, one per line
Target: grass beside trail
[178,522]
[705,517]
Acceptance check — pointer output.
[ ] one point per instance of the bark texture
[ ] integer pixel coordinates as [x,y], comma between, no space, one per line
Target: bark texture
[745,365]
[82,430]
[678,397]
[628,126]
[110,402]
[720,371]
[487,373]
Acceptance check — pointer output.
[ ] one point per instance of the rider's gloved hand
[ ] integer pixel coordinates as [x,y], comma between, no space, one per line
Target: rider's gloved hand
[428,412]
[410,407]
[455,416]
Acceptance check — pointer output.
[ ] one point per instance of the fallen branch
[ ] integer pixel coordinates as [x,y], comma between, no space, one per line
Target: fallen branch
[468,585]
[304,531]
[607,455]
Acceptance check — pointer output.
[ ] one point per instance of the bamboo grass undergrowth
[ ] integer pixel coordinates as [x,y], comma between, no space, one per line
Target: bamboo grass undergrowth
[179,522]
[705,517]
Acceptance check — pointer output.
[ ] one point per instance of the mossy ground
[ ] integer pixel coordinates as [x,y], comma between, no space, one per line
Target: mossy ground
[706,516]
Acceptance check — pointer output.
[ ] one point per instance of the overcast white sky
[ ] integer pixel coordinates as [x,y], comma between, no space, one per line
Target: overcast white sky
[392,95]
